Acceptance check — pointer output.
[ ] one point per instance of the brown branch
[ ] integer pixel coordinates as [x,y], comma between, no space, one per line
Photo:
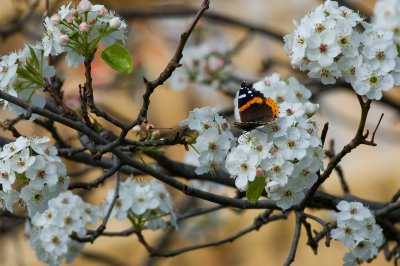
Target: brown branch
[150,87]
[311,241]
[326,230]
[396,196]
[143,241]
[296,238]
[331,153]
[169,69]
[357,140]
[259,221]
[324,133]
[95,183]
[9,125]
[99,231]
[372,141]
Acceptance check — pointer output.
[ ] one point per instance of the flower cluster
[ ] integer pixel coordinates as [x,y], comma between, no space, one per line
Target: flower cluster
[31,174]
[327,44]
[358,231]
[203,65]
[50,231]
[22,74]
[144,203]
[76,31]
[287,151]
[79,30]
[387,17]
[214,140]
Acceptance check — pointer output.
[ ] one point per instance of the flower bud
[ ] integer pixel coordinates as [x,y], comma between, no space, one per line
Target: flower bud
[115,23]
[69,19]
[102,11]
[84,6]
[63,40]
[84,27]
[310,109]
[55,19]
[136,129]
[156,133]
[150,127]
[260,172]
[91,20]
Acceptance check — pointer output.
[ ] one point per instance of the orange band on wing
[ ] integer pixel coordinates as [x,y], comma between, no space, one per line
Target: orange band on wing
[252,101]
[271,103]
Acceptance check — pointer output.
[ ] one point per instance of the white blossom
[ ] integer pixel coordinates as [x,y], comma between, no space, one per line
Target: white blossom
[358,231]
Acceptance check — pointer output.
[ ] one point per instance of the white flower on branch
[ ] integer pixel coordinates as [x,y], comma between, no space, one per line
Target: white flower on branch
[50,231]
[358,231]
[145,203]
[333,46]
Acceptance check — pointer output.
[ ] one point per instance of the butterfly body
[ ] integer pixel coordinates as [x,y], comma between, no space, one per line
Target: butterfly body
[254,108]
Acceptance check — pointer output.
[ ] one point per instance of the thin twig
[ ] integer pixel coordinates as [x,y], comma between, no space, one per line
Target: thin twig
[396,196]
[98,232]
[324,133]
[372,141]
[311,241]
[357,140]
[326,229]
[258,222]
[143,241]
[296,238]
[95,183]
[331,153]
[169,69]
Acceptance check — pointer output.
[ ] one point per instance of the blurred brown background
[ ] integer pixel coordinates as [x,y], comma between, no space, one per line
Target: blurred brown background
[373,172]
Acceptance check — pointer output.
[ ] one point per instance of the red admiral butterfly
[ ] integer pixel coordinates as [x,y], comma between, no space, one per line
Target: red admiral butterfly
[254,108]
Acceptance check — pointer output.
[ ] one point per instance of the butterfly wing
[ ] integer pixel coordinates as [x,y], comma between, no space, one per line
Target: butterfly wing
[253,106]
[257,112]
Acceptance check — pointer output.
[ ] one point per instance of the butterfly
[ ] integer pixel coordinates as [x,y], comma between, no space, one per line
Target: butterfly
[254,108]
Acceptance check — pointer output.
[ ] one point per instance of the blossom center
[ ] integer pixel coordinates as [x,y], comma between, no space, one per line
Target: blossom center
[212,146]
[55,240]
[343,41]
[68,220]
[323,48]
[324,73]
[288,193]
[276,128]
[280,99]
[276,169]
[21,163]
[291,144]
[319,27]
[352,71]
[373,79]
[347,230]
[380,55]
[4,175]
[289,112]
[41,173]
[37,196]
[244,166]
[305,172]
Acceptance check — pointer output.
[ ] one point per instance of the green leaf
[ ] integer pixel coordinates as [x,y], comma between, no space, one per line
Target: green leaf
[255,188]
[118,57]
[35,60]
